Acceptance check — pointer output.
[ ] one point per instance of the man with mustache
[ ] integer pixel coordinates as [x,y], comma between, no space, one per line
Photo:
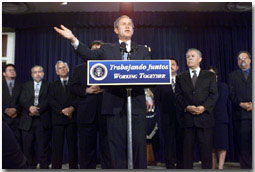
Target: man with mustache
[240,85]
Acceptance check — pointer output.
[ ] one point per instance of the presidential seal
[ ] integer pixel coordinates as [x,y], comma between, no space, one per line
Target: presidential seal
[98,71]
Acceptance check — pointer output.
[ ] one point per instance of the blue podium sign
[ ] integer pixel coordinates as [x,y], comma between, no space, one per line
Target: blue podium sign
[129,72]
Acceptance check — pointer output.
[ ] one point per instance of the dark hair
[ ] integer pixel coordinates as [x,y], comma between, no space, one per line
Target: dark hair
[96,42]
[246,52]
[174,60]
[6,66]
[214,69]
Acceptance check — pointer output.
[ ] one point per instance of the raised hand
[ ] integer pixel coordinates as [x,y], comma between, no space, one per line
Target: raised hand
[66,33]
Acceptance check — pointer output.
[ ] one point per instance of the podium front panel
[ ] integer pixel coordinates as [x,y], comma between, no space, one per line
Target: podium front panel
[129,72]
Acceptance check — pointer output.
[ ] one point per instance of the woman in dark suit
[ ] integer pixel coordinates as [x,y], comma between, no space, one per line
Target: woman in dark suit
[220,137]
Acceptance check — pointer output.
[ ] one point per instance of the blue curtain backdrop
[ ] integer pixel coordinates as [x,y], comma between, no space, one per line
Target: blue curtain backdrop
[219,36]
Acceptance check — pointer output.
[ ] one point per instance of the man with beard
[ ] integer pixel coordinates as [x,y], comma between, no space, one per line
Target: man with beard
[240,85]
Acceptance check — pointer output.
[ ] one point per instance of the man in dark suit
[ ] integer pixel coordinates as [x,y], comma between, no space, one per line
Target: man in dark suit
[114,98]
[196,95]
[11,93]
[35,120]
[12,155]
[240,85]
[63,103]
[89,118]
[169,114]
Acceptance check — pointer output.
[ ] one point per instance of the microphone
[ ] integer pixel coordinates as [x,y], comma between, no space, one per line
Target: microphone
[134,47]
[123,48]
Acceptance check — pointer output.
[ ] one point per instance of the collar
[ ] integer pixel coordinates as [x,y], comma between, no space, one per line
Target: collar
[128,45]
[173,78]
[198,69]
[40,83]
[62,80]
[10,81]
[247,71]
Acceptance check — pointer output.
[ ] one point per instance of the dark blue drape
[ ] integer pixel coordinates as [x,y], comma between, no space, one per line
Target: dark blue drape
[219,36]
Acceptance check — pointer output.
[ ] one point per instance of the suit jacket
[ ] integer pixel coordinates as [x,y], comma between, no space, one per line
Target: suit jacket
[240,91]
[222,107]
[58,100]
[87,104]
[11,101]
[114,98]
[204,93]
[27,100]
[12,155]
[165,98]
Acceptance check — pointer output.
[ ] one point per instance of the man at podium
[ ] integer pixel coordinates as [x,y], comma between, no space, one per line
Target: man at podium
[114,98]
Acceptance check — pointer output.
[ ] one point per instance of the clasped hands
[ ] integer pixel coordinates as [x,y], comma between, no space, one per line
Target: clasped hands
[247,106]
[94,89]
[68,111]
[195,110]
[34,111]
[11,112]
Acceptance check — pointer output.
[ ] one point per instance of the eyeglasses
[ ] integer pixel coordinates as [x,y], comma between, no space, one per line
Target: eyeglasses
[10,70]
[243,58]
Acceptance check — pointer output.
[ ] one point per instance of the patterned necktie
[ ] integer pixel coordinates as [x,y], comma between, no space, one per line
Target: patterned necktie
[36,99]
[194,78]
[10,88]
[173,84]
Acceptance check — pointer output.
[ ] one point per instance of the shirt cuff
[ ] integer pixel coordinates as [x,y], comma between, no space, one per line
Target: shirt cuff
[75,44]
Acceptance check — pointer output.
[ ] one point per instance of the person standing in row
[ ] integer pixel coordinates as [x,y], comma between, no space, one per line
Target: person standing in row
[196,94]
[240,85]
[11,94]
[63,105]
[221,116]
[35,120]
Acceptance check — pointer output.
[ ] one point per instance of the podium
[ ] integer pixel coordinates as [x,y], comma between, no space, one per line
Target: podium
[129,73]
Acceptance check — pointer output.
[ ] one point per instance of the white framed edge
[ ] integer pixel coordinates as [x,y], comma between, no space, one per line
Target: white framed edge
[10,54]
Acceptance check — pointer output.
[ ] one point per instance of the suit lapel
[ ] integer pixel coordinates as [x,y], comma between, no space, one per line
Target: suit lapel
[5,86]
[241,75]
[15,88]
[134,50]
[61,87]
[199,78]
[116,51]
[188,79]
[43,87]
[250,76]
[31,87]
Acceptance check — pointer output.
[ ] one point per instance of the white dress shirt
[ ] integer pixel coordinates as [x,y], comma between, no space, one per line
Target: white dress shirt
[128,45]
[197,71]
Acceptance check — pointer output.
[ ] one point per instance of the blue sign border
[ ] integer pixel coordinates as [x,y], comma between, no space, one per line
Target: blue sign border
[126,83]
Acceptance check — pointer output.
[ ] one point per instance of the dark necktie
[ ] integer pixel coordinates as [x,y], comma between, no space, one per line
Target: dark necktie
[194,78]
[65,85]
[245,73]
[10,88]
[124,56]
